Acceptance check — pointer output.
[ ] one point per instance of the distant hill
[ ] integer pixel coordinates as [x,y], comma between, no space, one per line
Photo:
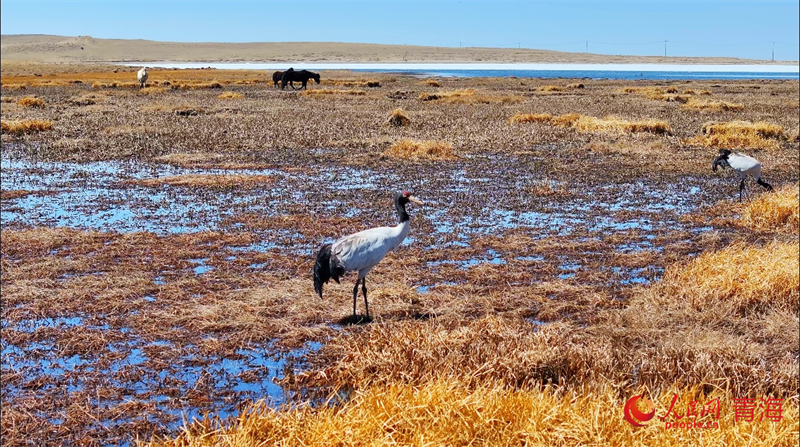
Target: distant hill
[86,49]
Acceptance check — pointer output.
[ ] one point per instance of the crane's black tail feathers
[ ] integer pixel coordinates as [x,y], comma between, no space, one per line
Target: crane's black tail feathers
[766,185]
[322,268]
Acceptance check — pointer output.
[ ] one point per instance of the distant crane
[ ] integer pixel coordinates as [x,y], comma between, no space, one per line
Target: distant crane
[743,165]
[141,76]
[362,251]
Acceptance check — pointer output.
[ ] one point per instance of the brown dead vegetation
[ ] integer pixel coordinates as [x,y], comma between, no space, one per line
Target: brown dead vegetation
[25,126]
[469,96]
[207,181]
[522,307]
[398,118]
[30,102]
[779,211]
[590,124]
[739,135]
[427,150]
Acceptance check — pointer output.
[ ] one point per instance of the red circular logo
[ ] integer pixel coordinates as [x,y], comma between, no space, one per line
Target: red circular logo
[634,415]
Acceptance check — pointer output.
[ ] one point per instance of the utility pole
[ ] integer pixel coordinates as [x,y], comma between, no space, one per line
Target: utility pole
[587,46]
[773,51]
[665,48]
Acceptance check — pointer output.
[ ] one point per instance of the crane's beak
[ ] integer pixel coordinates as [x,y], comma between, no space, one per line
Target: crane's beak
[415,200]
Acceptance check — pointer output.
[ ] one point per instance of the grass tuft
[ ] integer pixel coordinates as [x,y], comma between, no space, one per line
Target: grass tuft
[30,102]
[531,118]
[362,83]
[777,211]
[206,181]
[551,88]
[326,91]
[741,277]
[589,124]
[415,150]
[699,104]
[398,118]
[152,90]
[25,126]
[230,95]
[469,96]
[739,135]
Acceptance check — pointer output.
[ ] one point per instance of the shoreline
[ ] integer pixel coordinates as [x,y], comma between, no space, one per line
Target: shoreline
[698,68]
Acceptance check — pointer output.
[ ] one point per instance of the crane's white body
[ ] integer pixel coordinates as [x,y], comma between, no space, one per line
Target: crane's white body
[744,165]
[141,76]
[364,250]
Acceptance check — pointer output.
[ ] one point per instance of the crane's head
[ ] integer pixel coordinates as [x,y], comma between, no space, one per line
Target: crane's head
[401,198]
[721,160]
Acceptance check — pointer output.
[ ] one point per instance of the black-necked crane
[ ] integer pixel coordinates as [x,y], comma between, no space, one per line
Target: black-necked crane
[362,251]
[743,165]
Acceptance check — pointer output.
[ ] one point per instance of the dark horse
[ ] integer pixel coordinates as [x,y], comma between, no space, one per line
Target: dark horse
[276,77]
[289,76]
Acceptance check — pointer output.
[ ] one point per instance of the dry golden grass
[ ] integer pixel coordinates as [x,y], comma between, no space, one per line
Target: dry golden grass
[469,96]
[698,104]
[777,211]
[739,135]
[194,85]
[739,277]
[611,124]
[230,95]
[577,85]
[447,413]
[13,87]
[152,90]
[25,126]
[531,118]
[398,118]
[7,99]
[589,124]
[100,84]
[416,150]
[551,88]
[649,92]
[30,102]
[655,93]
[208,161]
[369,83]
[206,181]
[327,91]
[431,83]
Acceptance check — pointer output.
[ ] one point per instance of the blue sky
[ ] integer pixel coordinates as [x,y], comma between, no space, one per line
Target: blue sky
[720,28]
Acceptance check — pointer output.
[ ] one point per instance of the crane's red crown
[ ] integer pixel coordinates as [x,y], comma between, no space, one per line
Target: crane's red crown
[406,193]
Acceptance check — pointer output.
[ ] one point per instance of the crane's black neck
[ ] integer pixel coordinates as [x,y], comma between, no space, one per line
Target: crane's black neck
[400,206]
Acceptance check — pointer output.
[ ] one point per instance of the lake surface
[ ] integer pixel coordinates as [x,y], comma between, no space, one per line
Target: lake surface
[591,71]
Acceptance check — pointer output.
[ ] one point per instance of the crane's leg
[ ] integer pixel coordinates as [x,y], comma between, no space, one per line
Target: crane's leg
[355,296]
[741,188]
[364,289]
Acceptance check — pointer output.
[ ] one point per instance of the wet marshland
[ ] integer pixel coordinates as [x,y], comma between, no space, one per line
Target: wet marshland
[132,302]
